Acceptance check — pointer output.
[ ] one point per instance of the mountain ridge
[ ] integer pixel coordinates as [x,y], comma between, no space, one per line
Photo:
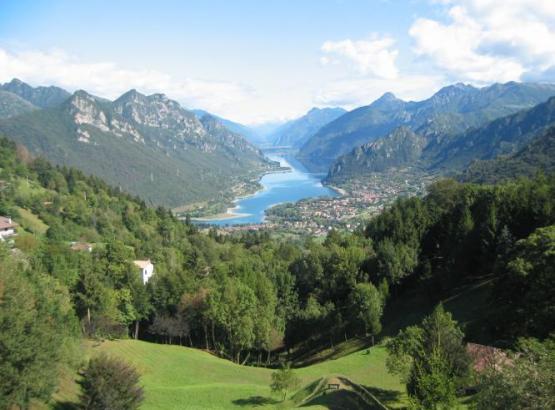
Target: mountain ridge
[148,145]
[450,111]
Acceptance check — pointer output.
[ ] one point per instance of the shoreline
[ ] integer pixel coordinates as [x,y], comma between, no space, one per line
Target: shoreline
[229,213]
[340,191]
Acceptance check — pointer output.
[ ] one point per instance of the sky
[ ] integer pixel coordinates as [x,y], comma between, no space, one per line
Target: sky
[257,61]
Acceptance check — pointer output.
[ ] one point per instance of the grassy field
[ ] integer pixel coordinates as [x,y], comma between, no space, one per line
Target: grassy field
[31,222]
[176,377]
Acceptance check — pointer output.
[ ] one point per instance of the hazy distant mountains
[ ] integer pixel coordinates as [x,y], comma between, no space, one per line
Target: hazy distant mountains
[296,132]
[450,111]
[42,97]
[148,145]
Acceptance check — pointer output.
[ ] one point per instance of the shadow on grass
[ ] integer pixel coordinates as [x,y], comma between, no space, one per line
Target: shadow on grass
[387,397]
[339,400]
[254,401]
[66,405]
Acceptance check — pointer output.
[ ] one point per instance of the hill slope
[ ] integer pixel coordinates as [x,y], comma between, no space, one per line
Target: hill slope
[450,111]
[248,133]
[12,105]
[504,136]
[401,146]
[295,133]
[148,145]
[537,156]
[177,377]
[42,97]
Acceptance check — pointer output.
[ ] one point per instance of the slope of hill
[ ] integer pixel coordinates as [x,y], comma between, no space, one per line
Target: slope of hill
[398,148]
[248,133]
[177,377]
[42,97]
[537,156]
[12,105]
[503,136]
[450,111]
[296,132]
[147,145]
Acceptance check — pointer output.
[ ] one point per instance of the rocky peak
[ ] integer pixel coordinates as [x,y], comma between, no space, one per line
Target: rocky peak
[85,110]
[155,110]
[387,101]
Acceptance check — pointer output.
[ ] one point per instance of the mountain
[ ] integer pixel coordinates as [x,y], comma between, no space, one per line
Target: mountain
[450,111]
[295,133]
[400,147]
[12,104]
[504,137]
[147,145]
[537,156]
[250,135]
[42,97]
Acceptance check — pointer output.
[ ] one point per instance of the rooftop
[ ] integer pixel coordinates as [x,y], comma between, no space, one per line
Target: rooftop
[6,222]
[142,263]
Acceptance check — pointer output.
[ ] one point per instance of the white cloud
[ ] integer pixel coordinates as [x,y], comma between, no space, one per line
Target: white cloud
[489,40]
[375,57]
[108,80]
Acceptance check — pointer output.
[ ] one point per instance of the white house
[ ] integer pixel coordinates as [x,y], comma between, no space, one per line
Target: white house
[7,227]
[146,268]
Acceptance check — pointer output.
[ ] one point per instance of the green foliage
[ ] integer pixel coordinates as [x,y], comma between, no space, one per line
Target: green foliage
[284,380]
[529,277]
[526,382]
[38,323]
[367,307]
[110,383]
[432,359]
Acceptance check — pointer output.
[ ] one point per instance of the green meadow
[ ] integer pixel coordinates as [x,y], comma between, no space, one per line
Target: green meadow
[177,377]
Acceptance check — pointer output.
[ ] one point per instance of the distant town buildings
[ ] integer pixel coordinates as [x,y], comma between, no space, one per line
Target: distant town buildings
[146,269]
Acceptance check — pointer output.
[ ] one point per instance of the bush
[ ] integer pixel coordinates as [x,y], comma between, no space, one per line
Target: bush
[110,383]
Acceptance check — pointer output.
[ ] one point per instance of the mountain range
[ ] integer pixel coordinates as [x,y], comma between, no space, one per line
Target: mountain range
[450,111]
[502,137]
[148,145]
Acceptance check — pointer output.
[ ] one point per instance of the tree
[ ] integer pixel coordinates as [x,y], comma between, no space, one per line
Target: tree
[432,360]
[525,382]
[283,380]
[110,383]
[367,308]
[37,325]
[529,278]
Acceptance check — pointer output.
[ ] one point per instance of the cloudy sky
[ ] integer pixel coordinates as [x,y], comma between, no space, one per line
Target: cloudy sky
[254,61]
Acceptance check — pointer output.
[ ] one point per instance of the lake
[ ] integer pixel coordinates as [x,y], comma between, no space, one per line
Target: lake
[278,188]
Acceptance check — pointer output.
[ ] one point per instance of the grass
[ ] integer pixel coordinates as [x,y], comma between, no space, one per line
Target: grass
[176,377]
[31,222]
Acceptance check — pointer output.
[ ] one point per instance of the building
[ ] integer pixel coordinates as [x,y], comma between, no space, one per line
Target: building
[7,227]
[146,269]
[81,247]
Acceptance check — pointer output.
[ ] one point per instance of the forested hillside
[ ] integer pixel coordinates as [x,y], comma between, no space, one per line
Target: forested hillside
[536,157]
[247,297]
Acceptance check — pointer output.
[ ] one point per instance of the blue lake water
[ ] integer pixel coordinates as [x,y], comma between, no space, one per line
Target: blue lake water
[279,187]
